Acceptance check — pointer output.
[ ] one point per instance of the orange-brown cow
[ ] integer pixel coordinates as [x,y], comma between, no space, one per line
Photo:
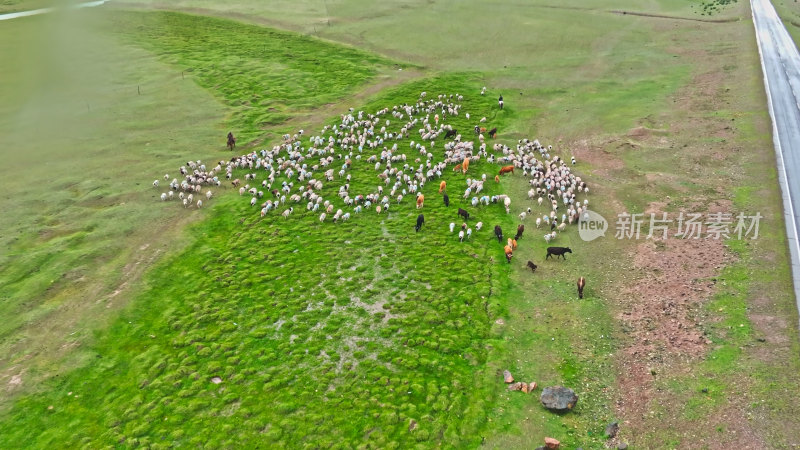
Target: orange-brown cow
[506,169]
[509,253]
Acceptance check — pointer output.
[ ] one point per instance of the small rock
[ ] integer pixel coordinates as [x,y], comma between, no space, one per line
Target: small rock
[622,446]
[216,380]
[541,447]
[705,390]
[551,443]
[507,377]
[412,425]
[524,387]
[558,398]
[515,386]
[532,386]
[612,429]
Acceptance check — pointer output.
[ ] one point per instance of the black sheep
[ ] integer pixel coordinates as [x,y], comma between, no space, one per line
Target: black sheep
[420,222]
[499,233]
[558,251]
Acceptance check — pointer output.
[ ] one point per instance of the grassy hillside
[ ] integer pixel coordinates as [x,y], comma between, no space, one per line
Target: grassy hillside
[87,121]
[685,347]
[266,76]
[321,334]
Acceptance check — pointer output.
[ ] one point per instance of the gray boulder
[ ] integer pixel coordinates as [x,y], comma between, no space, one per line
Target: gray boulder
[558,398]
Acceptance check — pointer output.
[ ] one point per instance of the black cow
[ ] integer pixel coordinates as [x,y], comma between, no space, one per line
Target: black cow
[450,133]
[558,251]
[493,132]
[463,213]
[420,221]
[520,229]
[446,200]
[499,233]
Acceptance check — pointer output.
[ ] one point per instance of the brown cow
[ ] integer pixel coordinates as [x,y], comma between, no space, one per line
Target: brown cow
[581,284]
[420,200]
[509,253]
[457,167]
[506,169]
[442,185]
[465,165]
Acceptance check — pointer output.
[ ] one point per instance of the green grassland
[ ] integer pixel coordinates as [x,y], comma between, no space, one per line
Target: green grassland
[267,76]
[341,334]
[323,334]
[87,122]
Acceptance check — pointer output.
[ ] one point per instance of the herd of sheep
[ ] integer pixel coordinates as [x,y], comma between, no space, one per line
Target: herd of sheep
[405,146]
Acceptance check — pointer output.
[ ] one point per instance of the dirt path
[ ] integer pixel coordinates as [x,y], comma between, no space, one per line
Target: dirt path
[664,16]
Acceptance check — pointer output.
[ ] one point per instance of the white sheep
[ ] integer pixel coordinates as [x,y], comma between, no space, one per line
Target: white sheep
[461,236]
[469,233]
[538,222]
[253,201]
[209,195]
[322,217]
[478,226]
[287,212]
[452,226]
[522,215]
[547,237]
[199,204]
[164,197]
[155,183]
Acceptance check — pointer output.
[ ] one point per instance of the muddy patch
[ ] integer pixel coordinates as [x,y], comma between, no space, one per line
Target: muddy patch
[659,313]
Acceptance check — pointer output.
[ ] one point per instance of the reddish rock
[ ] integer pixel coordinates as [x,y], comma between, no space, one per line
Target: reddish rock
[507,377]
[532,386]
[515,386]
[551,443]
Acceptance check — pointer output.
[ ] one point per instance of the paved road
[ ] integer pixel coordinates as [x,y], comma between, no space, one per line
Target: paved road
[780,62]
[35,12]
